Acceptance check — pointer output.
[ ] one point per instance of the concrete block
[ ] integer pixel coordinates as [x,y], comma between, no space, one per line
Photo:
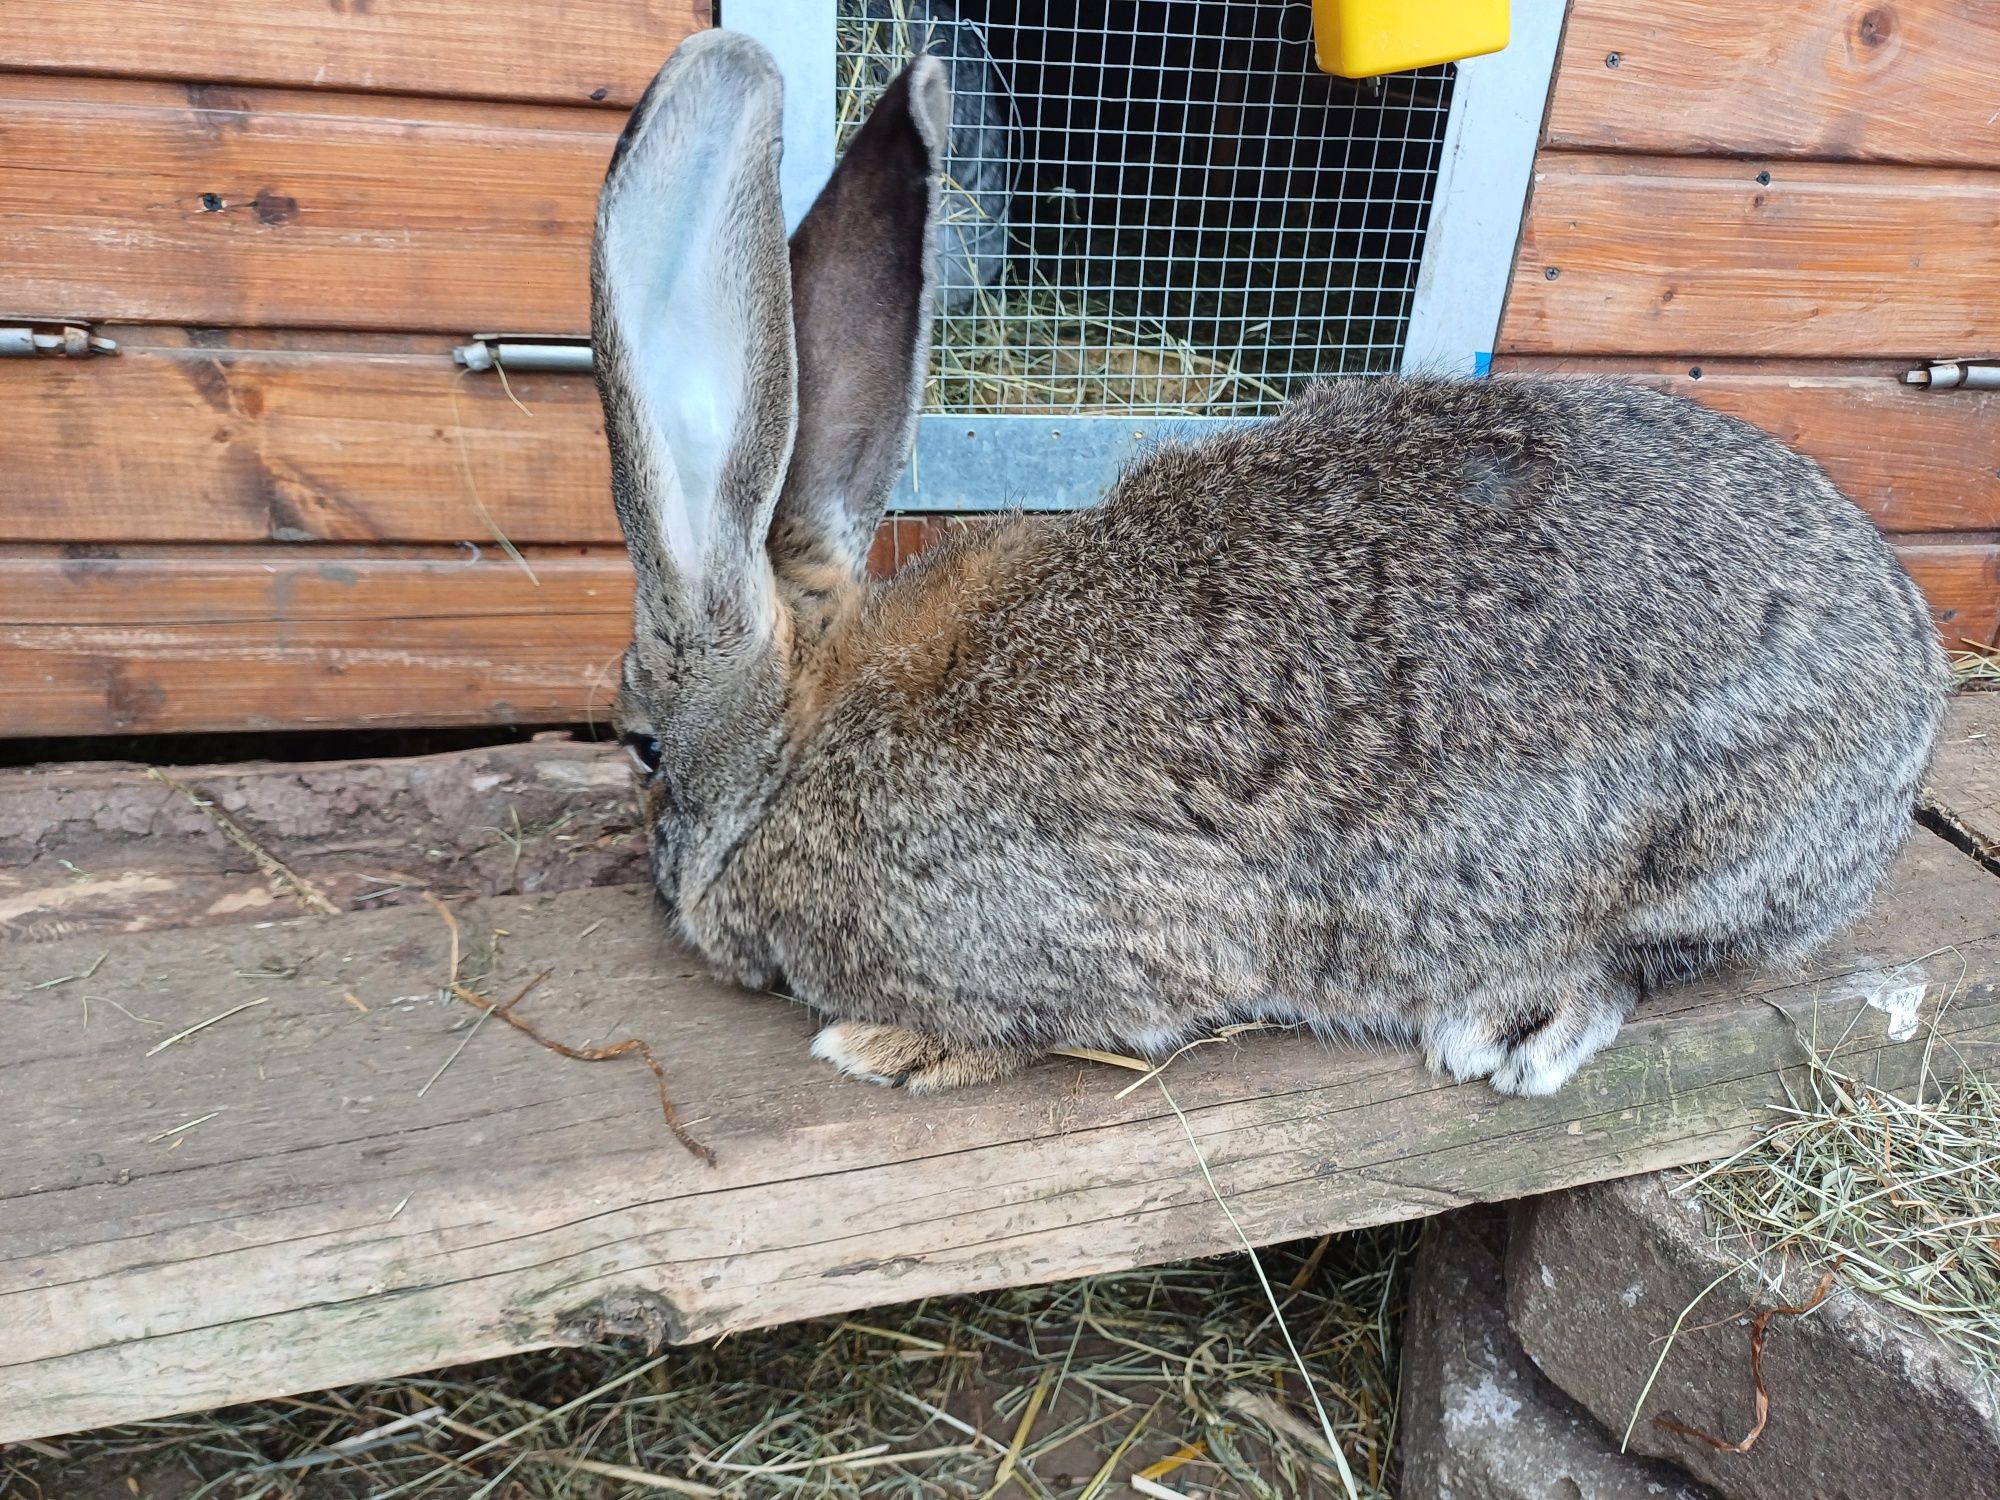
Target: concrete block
[1865,1403]
[1479,1421]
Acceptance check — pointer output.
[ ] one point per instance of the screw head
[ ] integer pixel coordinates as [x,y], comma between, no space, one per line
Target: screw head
[1763,179]
[211,203]
[1612,59]
[1552,272]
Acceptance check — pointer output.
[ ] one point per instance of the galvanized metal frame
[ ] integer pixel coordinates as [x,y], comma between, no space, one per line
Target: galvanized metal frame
[983,463]
[800,36]
[1482,188]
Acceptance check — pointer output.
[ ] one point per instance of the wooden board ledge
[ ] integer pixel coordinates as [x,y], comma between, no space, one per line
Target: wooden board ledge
[270,1157]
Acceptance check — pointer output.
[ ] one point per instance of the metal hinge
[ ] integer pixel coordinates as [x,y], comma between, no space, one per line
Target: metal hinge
[1957,374]
[526,351]
[50,338]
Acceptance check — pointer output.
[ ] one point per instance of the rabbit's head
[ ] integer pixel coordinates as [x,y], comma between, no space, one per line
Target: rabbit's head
[758,402]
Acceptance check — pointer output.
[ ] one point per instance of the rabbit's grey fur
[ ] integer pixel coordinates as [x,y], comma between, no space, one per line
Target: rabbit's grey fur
[1452,712]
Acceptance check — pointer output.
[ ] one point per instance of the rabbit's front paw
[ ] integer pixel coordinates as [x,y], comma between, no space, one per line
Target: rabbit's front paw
[898,1057]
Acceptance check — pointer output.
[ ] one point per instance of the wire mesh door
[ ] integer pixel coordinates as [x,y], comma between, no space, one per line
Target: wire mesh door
[1154,209]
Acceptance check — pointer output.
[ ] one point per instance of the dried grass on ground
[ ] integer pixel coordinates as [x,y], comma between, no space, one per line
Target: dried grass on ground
[1898,1197]
[1177,1373]
[1976,667]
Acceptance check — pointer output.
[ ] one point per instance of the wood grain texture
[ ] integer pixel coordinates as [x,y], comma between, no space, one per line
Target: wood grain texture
[96,847]
[168,640]
[334,1221]
[1838,79]
[401,446]
[171,640]
[143,202]
[1964,791]
[569,51]
[252,445]
[1653,255]
[224,441]
[1916,461]
[1962,584]
[298,638]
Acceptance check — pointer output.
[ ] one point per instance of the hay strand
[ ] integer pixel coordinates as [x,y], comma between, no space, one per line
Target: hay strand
[200,1026]
[1975,665]
[307,894]
[1891,1196]
[1762,1394]
[633,1047]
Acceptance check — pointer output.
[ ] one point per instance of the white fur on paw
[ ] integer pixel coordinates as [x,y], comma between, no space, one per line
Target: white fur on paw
[1549,1059]
[842,1044]
[1463,1048]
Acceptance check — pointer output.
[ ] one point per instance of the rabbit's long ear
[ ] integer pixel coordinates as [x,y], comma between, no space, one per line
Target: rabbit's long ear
[691,328]
[863,268]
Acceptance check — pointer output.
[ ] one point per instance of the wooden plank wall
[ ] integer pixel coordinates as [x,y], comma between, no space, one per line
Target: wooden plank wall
[288,211]
[278,507]
[566,52]
[1778,211]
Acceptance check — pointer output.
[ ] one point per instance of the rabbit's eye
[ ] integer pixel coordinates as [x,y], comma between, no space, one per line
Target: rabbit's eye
[644,751]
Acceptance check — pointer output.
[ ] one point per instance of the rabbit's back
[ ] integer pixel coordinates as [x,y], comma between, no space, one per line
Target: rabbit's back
[1422,583]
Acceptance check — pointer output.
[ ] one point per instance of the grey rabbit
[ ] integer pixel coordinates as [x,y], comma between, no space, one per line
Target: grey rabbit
[1459,713]
[978,156]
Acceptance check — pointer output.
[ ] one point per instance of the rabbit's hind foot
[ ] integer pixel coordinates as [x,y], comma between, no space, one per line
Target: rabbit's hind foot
[1533,1040]
[898,1057]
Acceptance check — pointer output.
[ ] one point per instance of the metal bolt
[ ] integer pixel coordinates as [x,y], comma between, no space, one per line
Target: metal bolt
[1552,272]
[1612,60]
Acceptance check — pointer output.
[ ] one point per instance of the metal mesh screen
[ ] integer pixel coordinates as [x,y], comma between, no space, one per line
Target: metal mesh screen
[1157,206]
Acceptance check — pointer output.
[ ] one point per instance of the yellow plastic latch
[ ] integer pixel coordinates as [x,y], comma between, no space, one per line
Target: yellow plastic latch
[1365,38]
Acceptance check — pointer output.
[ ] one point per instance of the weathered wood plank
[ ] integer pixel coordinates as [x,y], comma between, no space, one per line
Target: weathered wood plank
[1910,82]
[100,847]
[297,442]
[1964,792]
[1653,255]
[170,640]
[1962,584]
[397,445]
[343,1209]
[508,49]
[1915,461]
[296,638]
[257,445]
[143,202]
